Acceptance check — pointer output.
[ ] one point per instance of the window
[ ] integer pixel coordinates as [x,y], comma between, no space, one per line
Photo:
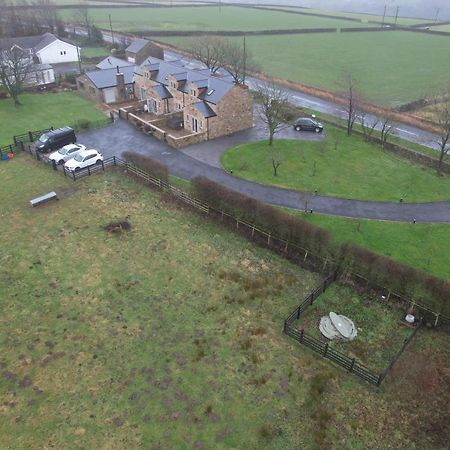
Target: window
[192,92]
[211,91]
[142,93]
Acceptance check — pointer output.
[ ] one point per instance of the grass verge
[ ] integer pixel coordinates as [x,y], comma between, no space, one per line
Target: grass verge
[339,166]
[40,111]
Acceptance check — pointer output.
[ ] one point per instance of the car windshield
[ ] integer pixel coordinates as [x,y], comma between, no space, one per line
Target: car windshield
[63,151]
[78,158]
[43,138]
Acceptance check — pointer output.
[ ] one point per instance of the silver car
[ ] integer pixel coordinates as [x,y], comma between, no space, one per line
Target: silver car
[67,152]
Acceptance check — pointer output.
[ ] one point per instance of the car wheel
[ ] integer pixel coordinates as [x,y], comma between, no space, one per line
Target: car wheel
[317,130]
[298,128]
[99,161]
[61,162]
[77,169]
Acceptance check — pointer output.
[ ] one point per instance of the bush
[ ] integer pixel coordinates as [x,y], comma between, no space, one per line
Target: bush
[70,78]
[83,124]
[147,164]
[379,270]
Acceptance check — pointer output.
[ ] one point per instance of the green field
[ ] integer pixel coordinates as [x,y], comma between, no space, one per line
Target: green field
[417,245]
[363,17]
[90,52]
[355,169]
[392,68]
[40,111]
[208,18]
[169,335]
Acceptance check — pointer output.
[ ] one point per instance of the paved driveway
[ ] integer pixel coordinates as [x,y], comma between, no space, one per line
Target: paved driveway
[121,136]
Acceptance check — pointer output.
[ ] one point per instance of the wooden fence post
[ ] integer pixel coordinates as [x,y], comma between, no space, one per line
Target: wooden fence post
[268,239]
[103,166]
[352,365]
[73,176]
[325,349]
[301,335]
[114,160]
[30,136]
[298,313]
[436,321]
[286,247]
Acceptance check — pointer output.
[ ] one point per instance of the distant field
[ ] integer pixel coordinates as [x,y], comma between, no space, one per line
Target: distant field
[209,18]
[90,52]
[363,17]
[441,28]
[42,111]
[392,67]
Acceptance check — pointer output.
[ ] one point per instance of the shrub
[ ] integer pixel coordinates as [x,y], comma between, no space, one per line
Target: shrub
[83,124]
[70,78]
[149,165]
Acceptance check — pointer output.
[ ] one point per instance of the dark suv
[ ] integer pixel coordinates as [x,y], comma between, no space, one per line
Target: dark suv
[307,124]
[55,139]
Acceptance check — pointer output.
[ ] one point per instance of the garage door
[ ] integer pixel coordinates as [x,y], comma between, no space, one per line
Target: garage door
[109,95]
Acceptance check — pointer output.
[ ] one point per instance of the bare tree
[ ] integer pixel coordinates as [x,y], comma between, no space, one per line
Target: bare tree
[276,157]
[367,128]
[237,61]
[442,111]
[387,128]
[273,108]
[349,87]
[210,51]
[15,66]
[83,18]
[48,15]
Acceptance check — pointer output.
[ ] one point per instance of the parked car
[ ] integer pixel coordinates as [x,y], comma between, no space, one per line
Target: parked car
[65,153]
[83,159]
[54,139]
[307,124]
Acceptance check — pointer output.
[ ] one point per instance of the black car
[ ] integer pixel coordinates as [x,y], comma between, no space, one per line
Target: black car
[55,139]
[307,124]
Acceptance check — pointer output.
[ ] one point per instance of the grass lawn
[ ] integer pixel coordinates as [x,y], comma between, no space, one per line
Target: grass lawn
[356,169]
[417,245]
[40,111]
[391,68]
[90,52]
[205,18]
[379,337]
[169,335]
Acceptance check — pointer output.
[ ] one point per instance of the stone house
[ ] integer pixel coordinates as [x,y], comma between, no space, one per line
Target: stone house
[208,105]
[108,85]
[140,49]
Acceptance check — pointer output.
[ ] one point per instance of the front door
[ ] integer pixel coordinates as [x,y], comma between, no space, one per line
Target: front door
[194,125]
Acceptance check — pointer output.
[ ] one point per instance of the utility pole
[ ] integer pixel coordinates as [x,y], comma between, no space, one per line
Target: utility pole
[384,14]
[245,63]
[437,14]
[396,14]
[110,27]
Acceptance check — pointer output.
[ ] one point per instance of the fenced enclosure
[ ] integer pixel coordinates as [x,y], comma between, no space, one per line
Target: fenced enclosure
[352,365]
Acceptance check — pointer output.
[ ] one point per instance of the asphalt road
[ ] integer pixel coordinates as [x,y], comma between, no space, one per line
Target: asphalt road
[121,136]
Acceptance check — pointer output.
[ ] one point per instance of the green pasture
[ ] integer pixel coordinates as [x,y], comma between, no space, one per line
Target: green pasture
[337,166]
[205,18]
[169,335]
[392,68]
[419,245]
[91,52]
[40,111]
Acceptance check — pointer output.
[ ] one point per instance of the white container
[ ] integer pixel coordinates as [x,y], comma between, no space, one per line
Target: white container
[410,318]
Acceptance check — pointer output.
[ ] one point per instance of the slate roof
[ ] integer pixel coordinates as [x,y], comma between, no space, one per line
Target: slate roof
[162,91]
[112,62]
[214,88]
[36,43]
[204,109]
[107,77]
[136,45]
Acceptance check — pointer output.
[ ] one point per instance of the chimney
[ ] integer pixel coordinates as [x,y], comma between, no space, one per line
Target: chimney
[120,89]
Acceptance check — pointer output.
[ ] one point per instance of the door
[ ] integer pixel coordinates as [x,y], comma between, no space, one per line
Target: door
[109,95]
[194,125]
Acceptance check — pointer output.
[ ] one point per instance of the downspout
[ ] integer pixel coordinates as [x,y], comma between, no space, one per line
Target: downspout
[207,128]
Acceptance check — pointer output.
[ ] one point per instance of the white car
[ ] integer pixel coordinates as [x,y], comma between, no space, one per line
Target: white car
[65,153]
[83,159]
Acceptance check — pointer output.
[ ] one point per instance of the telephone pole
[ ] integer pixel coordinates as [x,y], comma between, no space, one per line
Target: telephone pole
[110,27]
[384,14]
[396,14]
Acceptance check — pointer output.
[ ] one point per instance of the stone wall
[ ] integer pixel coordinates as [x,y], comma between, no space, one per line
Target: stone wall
[234,113]
[184,141]
[87,89]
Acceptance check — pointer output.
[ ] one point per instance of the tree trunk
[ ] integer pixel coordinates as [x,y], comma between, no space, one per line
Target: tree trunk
[270,137]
